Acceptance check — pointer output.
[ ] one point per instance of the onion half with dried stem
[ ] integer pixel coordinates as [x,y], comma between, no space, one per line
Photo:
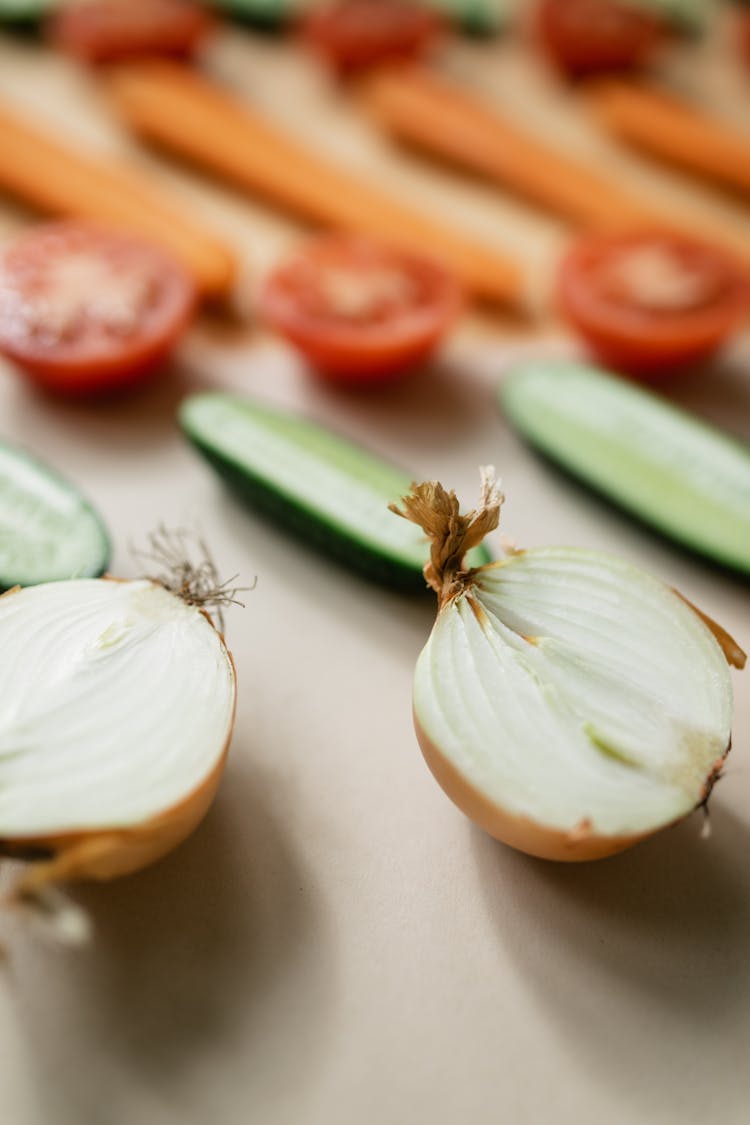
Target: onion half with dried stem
[569,703]
[115,720]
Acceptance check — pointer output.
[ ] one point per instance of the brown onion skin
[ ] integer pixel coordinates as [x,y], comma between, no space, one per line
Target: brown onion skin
[522,833]
[107,853]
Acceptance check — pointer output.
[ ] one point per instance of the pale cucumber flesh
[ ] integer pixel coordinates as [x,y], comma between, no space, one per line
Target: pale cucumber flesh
[48,531]
[331,492]
[673,471]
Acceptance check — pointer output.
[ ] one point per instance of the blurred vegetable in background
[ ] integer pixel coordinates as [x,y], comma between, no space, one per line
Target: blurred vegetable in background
[355,35]
[673,129]
[105,31]
[361,313]
[652,302]
[197,119]
[585,37]
[24,13]
[59,179]
[86,309]
[476,17]
[686,479]
[268,14]
[443,119]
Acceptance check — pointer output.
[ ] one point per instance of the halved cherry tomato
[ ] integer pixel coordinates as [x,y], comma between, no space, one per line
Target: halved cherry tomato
[652,302]
[101,31]
[353,35]
[594,36]
[85,309]
[360,312]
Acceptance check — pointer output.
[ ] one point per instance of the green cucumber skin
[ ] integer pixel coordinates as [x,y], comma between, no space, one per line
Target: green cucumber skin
[479,19]
[99,562]
[22,27]
[635,471]
[687,16]
[299,519]
[26,15]
[303,524]
[265,16]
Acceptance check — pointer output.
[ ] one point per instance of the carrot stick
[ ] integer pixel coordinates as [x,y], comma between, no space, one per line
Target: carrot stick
[439,117]
[58,180]
[673,130]
[187,114]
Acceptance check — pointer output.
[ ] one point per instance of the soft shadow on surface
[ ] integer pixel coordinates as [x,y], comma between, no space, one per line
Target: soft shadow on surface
[435,406]
[366,605]
[191,959]
[719,393]
[644,915]
[126,423]
[227,327]
[656,938]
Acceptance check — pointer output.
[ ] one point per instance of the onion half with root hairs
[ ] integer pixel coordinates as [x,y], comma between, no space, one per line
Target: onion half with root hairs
[116,715]
[569,703]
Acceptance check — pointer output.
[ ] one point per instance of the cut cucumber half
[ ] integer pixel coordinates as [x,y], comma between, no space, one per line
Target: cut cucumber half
[48,531]
[686,479]
[329,491]
[22,13]
[475,17]
[268,14]
[689,16]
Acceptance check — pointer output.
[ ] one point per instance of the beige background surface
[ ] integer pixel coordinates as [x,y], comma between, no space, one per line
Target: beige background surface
[336,944]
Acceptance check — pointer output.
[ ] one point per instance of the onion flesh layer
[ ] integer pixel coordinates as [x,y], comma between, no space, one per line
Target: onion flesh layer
[117,703]
[570,688]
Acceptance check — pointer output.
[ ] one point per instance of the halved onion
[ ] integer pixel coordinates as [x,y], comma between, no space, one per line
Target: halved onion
[569,703]
[115,719]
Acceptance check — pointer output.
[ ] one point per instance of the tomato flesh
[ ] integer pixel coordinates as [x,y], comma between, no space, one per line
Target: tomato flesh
[85,309]
[103,31]
[653,302]
[358,311]
[596,36]
[353,35]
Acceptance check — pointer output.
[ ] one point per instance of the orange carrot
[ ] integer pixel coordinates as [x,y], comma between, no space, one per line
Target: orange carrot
[673,130]
[187,114]
[58,180]
[437,116]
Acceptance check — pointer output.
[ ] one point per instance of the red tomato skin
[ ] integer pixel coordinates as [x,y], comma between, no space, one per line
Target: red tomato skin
[138,361]
[362,355]
[630,359]
[662,348]
[351,366]
[108,31]
[559,24]
[398,32]
[106,380]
